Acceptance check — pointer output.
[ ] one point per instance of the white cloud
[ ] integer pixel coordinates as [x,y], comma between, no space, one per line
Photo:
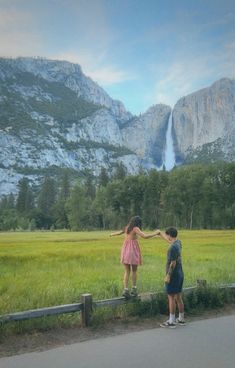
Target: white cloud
[179,79]
[193,69]
[96,68]
[108,75]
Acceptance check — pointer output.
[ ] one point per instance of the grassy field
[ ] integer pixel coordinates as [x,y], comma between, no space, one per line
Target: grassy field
[41,269]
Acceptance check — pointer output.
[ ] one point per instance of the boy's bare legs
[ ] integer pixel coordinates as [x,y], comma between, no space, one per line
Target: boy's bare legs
[171,302]
[170,323]
[180,304]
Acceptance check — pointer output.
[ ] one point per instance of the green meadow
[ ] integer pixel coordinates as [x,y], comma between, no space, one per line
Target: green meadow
[40,269]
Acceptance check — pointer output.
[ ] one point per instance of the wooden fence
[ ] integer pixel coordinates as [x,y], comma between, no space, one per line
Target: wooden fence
[87,304]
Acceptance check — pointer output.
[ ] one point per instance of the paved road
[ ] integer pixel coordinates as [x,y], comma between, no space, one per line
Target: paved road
[202,344]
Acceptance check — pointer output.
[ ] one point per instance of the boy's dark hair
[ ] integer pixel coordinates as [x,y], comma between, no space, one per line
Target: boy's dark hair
[172,232]
[134,222]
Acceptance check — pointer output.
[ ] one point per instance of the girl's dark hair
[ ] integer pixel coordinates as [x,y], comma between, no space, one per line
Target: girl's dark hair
[172,232]
[134,222]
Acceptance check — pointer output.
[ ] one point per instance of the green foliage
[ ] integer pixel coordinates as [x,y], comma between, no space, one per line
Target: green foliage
[117,151]
[8,220]
[78,208]
[191,197]
[210,297]
[46,198]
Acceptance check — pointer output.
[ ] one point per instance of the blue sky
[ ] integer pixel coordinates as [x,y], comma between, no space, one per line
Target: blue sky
[142,52]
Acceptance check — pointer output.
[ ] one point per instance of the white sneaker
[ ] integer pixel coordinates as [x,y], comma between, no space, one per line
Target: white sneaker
[180,322]
[167,324]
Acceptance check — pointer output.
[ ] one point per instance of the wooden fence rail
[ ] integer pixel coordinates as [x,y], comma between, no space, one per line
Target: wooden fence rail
[36,313]
[86,306]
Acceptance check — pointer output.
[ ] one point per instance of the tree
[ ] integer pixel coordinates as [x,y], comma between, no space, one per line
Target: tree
[89,187]
[103,178]
[78,209]
[7,202]
[101,208]
[133,195]
[44,216]
[47,196]
[65,186]
[60,214]
[25,200]
[120,171]
[151,200]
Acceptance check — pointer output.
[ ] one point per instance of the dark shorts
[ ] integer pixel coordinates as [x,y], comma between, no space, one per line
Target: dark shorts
[175,285]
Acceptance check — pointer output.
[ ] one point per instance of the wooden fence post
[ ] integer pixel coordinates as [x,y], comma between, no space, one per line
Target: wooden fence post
[86,300]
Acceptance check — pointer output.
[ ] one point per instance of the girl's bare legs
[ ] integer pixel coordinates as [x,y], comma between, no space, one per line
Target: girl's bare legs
[126,275]
[134,275]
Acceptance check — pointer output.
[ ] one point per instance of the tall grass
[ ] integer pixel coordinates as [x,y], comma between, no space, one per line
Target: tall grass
[42,269]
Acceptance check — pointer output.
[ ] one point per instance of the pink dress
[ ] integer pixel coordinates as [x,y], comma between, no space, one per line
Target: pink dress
[131,253]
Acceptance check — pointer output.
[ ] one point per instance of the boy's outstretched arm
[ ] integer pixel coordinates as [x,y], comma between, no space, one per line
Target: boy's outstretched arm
[117,233]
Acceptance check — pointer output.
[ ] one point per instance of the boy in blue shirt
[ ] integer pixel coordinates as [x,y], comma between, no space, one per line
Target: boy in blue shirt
[174,278]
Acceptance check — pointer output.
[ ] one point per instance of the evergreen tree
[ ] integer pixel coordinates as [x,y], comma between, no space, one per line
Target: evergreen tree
[60,214]
[65,186]
[119,172]
[47,196]
[8,214]
[103,215]
[151,200]
[103,178]
[25,200]
[44,215]
[78,209]
[11,201]
[89,187]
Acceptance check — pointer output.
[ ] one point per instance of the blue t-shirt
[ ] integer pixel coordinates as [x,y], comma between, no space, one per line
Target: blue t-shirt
[174,254]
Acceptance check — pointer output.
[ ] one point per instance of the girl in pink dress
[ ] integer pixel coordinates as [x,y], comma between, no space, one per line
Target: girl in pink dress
[131,253]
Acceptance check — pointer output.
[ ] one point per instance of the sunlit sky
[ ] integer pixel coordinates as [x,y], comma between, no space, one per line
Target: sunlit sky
[141,52]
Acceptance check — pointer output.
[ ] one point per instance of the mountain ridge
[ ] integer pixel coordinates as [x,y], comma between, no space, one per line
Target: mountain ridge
[53,116]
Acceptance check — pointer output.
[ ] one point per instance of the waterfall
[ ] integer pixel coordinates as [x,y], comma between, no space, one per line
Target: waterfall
[169,154]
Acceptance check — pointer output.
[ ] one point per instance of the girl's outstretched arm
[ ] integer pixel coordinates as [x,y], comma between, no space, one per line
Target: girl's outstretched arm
[146,236]
[163,236]
[117,233]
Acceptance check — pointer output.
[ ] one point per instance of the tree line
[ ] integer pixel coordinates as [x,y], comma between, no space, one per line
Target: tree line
[191,197]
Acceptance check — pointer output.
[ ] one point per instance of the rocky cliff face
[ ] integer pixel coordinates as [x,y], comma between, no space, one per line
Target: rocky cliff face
[53,116]
[143,136]
[204,124]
